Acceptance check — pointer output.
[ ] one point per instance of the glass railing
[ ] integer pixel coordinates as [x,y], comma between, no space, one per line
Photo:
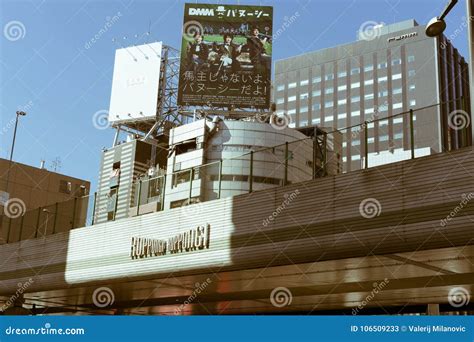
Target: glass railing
[379,137]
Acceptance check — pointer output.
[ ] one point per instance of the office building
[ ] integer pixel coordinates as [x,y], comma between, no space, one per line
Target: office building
[388,70]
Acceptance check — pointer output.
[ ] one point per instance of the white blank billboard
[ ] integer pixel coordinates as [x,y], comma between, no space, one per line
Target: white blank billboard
[135,82]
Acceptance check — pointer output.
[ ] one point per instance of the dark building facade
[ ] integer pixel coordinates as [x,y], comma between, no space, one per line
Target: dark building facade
[387,71]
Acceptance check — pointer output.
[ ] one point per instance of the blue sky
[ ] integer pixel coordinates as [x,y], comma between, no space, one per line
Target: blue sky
[51,74]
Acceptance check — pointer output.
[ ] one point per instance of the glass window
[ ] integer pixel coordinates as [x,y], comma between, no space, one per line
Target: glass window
[303,109]
[329,90]
[411,73]
[316,106]
[329,118]
[329,77]
[281,87]
[383,122]
[355,99]
[292,85]
[397,90]
[355,113]
[328,104]
[412,102]
[342,74]
[382,65]
[411,87]
[368,82]
[317,79]
[342,116]
[342,87]
[384,138]
[292,98]
[341,102]
[369,110]
[303,96]
[316,121]
[355,71]
[397,105]
[396,76]
[411,58]
[355,85]
[398,135]
[368,68]
[304,82]
[397,61]
[398,120]
[316,92]
[304,123]
[280,100]
[369,96]
[383,93]
[292,112]
[382,79]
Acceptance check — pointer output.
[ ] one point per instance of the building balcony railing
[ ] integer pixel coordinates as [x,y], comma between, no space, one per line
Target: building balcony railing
[378,139]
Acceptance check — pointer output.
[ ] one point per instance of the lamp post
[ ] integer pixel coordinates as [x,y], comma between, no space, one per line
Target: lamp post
[437,25]
[18,114]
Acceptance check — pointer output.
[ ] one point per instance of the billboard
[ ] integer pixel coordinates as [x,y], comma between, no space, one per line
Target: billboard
[135,82]
[226,55]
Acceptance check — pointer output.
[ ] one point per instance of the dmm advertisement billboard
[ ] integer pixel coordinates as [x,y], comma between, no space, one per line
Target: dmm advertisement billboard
[226,56]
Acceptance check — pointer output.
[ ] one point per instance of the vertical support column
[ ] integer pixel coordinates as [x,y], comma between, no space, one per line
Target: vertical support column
[251,172]
[116,202]
[37,222]
[139,196]
[220,180]
[366,145]
[21,227]
[56,211]
[163,191]
[285,180]
[93,210]
[412,135]
[9,229]
[315,144]
[432,310]
[325,154]
[74,213]
[191,176]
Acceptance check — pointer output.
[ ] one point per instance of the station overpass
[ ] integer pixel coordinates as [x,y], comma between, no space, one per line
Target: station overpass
[388,239]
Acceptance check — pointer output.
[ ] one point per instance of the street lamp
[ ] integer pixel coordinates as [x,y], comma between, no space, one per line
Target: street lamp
[437,25]
[18,114]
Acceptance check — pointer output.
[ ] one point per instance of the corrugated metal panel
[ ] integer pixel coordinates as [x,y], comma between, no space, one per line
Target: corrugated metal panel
[321,222]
